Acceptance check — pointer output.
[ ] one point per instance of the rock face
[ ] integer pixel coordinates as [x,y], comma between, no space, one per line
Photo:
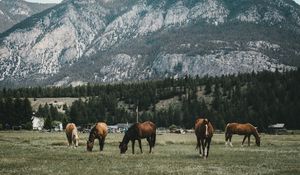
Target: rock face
[14,11]
[121,40]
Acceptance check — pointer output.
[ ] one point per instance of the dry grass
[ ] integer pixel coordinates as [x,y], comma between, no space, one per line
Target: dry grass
[47,153]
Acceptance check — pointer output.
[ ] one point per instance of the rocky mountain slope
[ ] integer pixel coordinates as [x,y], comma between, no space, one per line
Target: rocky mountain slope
[14,11]
[81,41]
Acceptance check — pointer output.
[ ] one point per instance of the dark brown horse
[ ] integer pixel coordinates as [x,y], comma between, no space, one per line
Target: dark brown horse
[204,132]
[99,131]
[139,131]
[241,129]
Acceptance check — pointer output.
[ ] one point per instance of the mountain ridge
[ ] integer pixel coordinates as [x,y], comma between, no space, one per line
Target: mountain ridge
[13,12]
[108,41]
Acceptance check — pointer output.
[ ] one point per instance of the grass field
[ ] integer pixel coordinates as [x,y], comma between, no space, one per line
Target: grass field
[25,152]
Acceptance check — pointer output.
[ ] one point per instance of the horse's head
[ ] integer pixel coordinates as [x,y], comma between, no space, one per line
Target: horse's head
[258,141]
[89,145]
[123,147]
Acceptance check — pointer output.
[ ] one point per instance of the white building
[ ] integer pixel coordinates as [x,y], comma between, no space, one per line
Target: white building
[37,123]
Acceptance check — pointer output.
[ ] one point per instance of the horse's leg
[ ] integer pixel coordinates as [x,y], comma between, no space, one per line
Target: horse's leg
[69,140]
[226,139]
[208,146]
[244,139]
[150,144]
[203,147]
[230,137]
[249,140]
[140,145]
[101,143]
[198,145]
[132,144]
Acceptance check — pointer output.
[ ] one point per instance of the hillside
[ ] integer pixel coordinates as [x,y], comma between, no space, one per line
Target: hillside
[78,41]
[14,11]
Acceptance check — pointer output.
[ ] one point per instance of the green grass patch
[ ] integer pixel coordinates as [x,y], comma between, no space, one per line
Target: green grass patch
[39,153]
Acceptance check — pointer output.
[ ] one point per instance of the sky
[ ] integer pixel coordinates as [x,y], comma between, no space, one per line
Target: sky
[57,1]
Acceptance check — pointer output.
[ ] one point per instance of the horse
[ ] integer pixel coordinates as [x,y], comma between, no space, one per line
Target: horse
[72,134]
[204,133]
[241,129]
[99,131]
[139,131]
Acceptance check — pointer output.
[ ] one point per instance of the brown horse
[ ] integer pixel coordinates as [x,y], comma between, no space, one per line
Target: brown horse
[99,131]
[241,129]
[139,131]
[204,133]
[72,134]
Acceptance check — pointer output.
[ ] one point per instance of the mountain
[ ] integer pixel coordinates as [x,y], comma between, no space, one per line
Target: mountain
[81,41]
[14,11]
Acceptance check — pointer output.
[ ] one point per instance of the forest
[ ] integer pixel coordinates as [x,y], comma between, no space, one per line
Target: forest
[261,98]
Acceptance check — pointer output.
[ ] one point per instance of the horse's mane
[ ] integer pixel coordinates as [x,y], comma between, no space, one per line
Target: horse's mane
[133,129]
[92,134]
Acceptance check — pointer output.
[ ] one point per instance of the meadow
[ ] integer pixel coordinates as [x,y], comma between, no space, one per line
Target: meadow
[29,152]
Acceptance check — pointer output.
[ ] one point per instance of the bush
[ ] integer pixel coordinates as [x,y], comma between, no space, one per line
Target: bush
[172,127]
[27,126]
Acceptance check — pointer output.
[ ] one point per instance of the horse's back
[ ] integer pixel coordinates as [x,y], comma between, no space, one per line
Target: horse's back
[69,128]
[146,129]
[238,128]
[101,129]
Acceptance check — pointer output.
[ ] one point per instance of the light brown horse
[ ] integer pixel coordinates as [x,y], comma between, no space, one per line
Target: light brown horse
[99,131]
[139,131]
[72,134]
[204,133]
[241,129]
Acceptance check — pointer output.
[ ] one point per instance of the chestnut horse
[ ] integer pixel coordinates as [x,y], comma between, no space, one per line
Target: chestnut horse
[72,134]
[99,131]
[204,133]
[139,131]
[241,129]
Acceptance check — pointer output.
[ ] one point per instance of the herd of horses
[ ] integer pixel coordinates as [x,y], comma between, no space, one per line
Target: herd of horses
[203,131]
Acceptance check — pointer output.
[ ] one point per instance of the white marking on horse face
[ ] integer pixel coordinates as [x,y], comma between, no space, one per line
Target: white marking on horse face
[206,130]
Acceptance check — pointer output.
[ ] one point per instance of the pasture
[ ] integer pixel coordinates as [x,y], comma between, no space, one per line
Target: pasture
[28,152]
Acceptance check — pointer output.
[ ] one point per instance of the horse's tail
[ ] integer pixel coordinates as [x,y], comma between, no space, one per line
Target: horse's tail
[153,139]
[226,131]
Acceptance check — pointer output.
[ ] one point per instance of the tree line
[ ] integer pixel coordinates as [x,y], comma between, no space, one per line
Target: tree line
[15,112]
[262,99]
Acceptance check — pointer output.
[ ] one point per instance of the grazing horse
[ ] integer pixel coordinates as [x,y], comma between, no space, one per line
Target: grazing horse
[204,132]
[99,131]
[139,131]
[241,129]
[72,134]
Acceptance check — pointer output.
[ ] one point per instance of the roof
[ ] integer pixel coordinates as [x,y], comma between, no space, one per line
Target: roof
[124,125]
[277,125]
